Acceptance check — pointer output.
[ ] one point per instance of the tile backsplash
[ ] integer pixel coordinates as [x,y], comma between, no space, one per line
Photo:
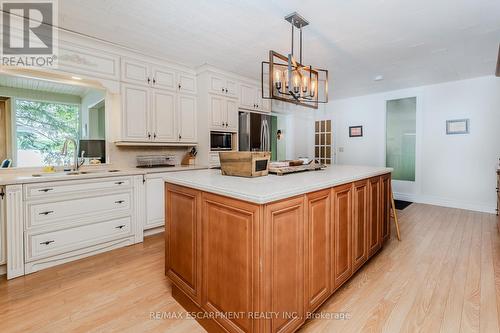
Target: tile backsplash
[126,156]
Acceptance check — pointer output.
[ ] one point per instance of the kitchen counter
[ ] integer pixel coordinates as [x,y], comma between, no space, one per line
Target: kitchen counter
[270,188]
[26,177]
[275,245]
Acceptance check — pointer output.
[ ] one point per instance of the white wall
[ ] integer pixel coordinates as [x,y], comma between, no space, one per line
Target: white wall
[452,170]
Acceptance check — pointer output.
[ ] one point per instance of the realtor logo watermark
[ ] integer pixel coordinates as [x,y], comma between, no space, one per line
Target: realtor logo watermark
[29,36]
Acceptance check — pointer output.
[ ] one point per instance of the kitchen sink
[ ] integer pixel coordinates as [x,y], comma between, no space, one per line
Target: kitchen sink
[73,173]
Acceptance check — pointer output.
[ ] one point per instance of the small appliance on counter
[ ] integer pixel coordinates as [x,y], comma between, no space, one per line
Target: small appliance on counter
[155,161]
[221,141]
[244,163]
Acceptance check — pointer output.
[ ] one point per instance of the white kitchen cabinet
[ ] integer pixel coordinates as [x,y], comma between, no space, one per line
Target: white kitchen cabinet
[251,98]
[186,83]
[3,231]
[223,86]
[135,113]
[163,78]
[187,118]
[163,119]
[157,115]
[223,113]
[155,201]
[136,72]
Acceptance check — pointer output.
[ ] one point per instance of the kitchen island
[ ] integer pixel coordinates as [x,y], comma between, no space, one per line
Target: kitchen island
[262,254]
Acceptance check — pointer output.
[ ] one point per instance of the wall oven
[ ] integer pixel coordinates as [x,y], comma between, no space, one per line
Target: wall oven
[221,141]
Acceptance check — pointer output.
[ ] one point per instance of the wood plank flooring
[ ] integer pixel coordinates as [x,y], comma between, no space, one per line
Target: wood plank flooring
[443,277]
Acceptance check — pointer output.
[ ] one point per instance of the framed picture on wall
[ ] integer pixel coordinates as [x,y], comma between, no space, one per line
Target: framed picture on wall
[355,131]
[458,126]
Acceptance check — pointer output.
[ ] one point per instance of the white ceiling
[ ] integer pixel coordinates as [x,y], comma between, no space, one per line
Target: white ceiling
[41,85]
[409,42]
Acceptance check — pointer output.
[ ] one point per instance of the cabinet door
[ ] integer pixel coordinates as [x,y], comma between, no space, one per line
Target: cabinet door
[342,229]
[163,120]
[318,247]
[284,265]
[187,83]
[386,206]
[247,97]
[155,202]
[164,78]
[359,224]
[187,118]
[183,240]
[230,260]
[232,114]
[217,84]
[135,71]
[217,112]
[232,88]
[374,231]
[136,114]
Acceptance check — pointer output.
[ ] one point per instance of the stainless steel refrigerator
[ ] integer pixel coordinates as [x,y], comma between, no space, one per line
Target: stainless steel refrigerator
[254,132]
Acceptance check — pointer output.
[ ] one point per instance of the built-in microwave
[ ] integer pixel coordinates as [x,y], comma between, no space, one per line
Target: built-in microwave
[221,141]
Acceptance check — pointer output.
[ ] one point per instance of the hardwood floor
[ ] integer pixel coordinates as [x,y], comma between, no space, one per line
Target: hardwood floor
[444,276]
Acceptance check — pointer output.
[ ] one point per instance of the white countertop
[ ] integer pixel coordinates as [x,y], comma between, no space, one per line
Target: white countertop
[270,188]
[24,177]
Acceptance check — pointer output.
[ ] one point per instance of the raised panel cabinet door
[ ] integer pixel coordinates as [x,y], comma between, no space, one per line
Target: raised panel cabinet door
[187,83]
[374,231]
[386,206]
[217,112]
[247,97]
[187,118]
[342,229]
[136,71]
[217,84]
[232,88]
[164,78]
[155,202]
[230,254]
[136,113]
[232,114]
[359,224]
[183,239]
[284,264]
[318,247]
[163,120]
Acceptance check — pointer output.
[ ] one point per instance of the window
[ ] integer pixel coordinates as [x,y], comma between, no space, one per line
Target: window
[401,137]
[323,141]
[41,129]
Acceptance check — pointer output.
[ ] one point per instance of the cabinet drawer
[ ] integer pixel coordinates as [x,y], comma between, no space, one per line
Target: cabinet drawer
[46,190]
[55,242]
[72,210]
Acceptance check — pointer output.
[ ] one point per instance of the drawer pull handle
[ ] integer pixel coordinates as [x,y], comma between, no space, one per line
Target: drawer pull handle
[47,212]
[46,190]
[119,201]
[119,183]
[120,227]
[47,242]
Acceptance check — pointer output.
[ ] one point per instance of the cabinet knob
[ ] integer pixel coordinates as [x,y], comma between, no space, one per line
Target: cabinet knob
[149,80]
[226,90]
[180,86]
[46,213]
[180,137]
[120,227]
[154,136]
[154,81]
[47,242]
[222,89]
[119,183]
[119,201]
[45,190]
[149,135]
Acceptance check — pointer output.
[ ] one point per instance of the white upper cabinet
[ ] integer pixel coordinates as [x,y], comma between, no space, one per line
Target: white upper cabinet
[223,113]
[187,118]
[186,83]
[232,114]
[251,98]
[163,116]
[135,106]
[164,78]
[136,72]
[222,86]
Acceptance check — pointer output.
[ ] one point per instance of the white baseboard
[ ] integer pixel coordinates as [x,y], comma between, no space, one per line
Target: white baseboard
[444,202]
[153,231]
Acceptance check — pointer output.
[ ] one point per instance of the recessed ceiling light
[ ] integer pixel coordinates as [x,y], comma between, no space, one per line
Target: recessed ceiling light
[378,78]
[76,78]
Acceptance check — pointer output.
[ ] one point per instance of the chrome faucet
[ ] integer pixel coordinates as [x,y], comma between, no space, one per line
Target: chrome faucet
[64,152]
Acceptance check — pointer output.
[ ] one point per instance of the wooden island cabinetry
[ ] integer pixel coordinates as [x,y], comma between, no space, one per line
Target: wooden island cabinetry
[253,267]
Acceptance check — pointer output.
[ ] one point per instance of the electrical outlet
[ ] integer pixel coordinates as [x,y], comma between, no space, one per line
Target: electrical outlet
[341,149]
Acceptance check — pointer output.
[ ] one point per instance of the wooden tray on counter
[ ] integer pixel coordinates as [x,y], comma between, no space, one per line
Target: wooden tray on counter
[293,169]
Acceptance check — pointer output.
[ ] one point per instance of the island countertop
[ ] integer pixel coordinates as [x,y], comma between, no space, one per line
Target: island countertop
[262,190]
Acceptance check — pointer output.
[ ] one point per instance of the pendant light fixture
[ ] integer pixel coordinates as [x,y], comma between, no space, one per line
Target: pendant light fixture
[291,81]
